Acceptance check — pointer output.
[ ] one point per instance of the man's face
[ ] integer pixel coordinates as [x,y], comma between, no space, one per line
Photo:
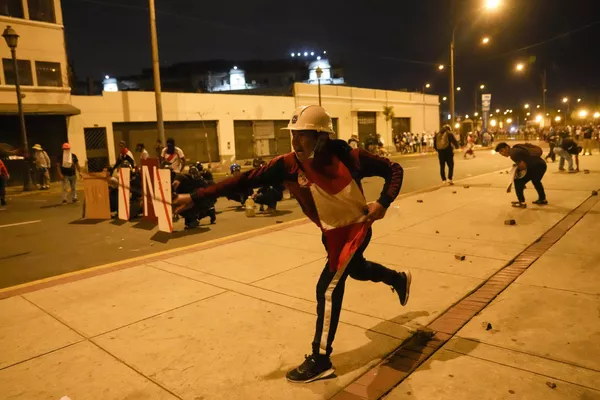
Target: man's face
[304,143]
[505,152]
[121,145]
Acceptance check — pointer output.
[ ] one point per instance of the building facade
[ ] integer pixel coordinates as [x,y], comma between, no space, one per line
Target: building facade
[43,72]
[223,128]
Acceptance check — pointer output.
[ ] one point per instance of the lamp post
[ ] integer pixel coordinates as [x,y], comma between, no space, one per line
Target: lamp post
[489,5]
[425,86]
[319,72]
[12,39]
[160,125]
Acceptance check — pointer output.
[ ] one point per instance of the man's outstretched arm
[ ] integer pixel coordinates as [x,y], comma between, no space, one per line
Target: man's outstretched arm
[272,173]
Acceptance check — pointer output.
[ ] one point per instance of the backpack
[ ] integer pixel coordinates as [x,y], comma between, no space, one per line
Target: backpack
[532,149]
[441,141]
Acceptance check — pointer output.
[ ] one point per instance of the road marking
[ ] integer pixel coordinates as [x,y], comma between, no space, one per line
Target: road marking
[21,223]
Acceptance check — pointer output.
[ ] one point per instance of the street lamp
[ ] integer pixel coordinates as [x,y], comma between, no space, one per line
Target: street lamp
[458,89]
[558,118]
[426,86]
[583,114]
[489,5]
[520,67]
[444,98]
[485,40]
[579,100]
[319,72]
[566,101]
[526,106]
[440,67]
[482,87]
[492,4]
[12,39]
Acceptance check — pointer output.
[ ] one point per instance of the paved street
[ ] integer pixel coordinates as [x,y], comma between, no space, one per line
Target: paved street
[50,239]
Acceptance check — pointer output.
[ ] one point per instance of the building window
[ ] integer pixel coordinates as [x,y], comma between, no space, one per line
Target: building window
[25,76]
[11,8]
[41,10]
[48,74]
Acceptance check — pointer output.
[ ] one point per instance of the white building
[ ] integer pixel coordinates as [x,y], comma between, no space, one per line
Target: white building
[227,127]
[43,72]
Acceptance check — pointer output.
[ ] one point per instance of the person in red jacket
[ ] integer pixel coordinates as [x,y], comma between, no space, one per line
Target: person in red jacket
[325,175]
[4,177]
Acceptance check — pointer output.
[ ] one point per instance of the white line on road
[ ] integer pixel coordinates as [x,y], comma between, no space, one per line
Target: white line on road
[21,223]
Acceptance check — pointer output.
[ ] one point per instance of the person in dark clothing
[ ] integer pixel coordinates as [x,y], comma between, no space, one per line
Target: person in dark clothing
[529,167]
[588,133]
[189,183]
[552,141]
[269,195]
[566,150]
[325,175]
[242,194]
[443,143]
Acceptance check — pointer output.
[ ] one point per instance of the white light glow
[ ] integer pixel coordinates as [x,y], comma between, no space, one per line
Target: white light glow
[476,114]
[449,117]
[583,113]
[467,116]
[493,122]
[557,119]
[293,54]
[106,77]
[319,58]
[539,118]
[509,121]
[312,53]
[235,67]
[457,125]
[305,53]
[597,115]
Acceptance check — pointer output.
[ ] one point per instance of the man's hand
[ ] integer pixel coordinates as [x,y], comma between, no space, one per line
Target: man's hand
[176,185]
[183,202]
[375,211]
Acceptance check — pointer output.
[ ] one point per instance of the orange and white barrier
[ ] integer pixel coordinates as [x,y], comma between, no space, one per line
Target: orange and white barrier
[124,193]
[157,186]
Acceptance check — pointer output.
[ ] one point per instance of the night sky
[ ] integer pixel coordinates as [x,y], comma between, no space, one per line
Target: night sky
[380,44]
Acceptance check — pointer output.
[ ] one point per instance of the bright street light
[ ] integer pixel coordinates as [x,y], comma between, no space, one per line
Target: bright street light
[538,106]
[526,105]
[458,89]
[509,121]
[493,122]
[583,113]
[457,125]
[497,110]
[597,115]
[565,99]
[482,87]
[467,116]
[520,67]
[492,4]
[476,114]
[528,114]
[558,118]
[444,98]
[558,111]
[440,67]
[579,100]
[485,40]
[427,85]
[538,118]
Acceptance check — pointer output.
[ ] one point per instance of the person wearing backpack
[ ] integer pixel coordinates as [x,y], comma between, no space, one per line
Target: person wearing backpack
[443,142]
[529,167]
[566,150]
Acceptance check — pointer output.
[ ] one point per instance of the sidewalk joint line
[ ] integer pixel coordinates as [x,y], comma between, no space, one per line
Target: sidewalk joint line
[520,369]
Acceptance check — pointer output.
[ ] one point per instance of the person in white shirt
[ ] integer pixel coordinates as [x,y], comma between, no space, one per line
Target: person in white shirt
[140,148]
[173,157]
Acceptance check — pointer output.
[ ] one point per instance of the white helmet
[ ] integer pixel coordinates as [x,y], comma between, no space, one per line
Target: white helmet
[310,118]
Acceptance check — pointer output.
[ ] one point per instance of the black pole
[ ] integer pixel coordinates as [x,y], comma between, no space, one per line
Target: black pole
[27,181]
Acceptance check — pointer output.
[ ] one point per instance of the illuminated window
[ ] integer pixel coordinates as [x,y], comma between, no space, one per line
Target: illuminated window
[11,8]
[41,10]
[48,73]
[25,76]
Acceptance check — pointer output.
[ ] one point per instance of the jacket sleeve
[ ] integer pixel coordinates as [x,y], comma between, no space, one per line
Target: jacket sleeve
[271,174]
[392,172]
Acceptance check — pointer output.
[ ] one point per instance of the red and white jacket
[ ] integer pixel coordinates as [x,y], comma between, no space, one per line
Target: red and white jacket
[328,188]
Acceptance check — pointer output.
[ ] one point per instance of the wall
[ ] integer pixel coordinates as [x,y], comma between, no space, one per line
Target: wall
[345,102]
[38,41]
[103,110]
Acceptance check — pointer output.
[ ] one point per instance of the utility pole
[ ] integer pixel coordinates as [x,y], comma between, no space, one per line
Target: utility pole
[452,77]
[544,90]
[156,69]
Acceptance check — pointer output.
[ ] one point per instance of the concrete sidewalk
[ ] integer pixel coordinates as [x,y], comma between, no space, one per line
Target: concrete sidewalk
[227,320]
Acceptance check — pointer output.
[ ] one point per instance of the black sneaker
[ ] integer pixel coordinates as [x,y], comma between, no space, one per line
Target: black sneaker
[541,202]
[64,202]
[193,225]
[314,367]
[518,204]
[401,286]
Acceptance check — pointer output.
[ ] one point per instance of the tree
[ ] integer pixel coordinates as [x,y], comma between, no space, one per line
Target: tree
[388,113]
